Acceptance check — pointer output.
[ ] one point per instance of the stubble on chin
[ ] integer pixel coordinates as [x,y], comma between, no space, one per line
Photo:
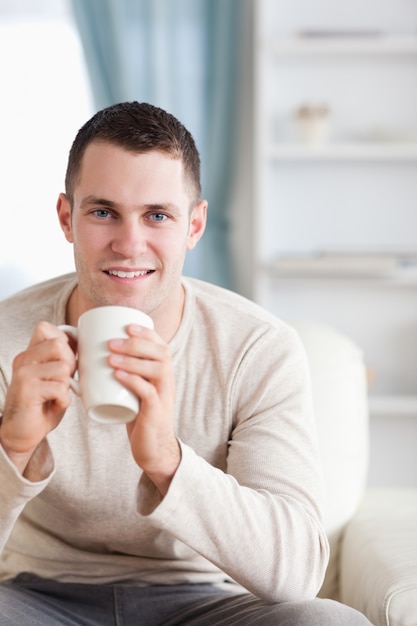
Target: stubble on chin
[97,289]
[95,293]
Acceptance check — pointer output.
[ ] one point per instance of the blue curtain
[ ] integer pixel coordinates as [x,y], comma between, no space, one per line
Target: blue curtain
[181,55]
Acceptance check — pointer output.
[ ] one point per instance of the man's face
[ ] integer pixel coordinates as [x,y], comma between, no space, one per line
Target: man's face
[131,226]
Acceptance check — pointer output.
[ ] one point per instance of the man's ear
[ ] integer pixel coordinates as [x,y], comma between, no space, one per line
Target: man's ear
[198,220]
[63,208]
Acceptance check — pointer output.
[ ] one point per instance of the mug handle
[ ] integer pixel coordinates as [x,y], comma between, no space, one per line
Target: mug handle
[73,333]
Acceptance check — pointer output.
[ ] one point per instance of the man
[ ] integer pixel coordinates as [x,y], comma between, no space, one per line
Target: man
[206,508]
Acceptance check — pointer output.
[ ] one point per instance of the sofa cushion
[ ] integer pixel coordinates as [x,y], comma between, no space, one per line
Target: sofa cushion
[379,558]
[340,402]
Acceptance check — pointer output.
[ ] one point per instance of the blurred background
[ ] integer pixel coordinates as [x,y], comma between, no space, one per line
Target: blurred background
[305,115]
[64,59]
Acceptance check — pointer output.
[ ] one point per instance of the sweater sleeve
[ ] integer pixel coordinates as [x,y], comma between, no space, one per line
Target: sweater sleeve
[15,489]
[15,492]
[260,520]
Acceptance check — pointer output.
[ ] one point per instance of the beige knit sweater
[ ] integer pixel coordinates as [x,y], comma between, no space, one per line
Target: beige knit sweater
[244,505]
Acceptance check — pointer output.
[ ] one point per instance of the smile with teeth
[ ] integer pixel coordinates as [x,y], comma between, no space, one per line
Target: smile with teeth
[133,274]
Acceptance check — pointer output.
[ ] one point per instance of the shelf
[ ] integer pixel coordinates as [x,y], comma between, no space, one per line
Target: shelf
[379,45]
[393,406]
[383,268]
[355,151]
[375,279]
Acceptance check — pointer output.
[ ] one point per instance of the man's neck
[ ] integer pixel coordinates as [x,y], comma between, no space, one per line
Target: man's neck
[71,312]
[167,322]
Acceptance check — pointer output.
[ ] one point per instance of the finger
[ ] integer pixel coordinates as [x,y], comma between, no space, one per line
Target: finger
[55,392]
[36,391]
[45,330]
[48,349]
[28,418]
[151,369]
[146,344]
[34,384]
[140,386]
[49,370]
[143,359]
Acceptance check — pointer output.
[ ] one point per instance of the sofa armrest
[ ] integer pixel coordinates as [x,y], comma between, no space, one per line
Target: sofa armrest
[378,567]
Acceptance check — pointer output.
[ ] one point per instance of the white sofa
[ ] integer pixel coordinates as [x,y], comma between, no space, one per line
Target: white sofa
[373,533]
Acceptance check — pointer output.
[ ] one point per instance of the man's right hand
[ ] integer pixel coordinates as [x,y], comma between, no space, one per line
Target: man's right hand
[38,395]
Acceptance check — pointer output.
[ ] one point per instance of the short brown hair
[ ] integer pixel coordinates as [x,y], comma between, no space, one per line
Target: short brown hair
[138,127]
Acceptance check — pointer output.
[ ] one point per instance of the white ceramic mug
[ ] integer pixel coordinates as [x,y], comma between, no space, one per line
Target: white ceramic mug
[104,398]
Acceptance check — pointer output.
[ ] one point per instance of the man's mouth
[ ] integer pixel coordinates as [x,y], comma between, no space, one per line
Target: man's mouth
[126,274]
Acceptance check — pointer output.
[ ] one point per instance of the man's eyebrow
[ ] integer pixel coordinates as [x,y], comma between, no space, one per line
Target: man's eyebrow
[161,207]
[110,204]
[88,200]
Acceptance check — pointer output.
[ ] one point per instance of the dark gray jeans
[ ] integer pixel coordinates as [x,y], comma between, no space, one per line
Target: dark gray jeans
[32,601]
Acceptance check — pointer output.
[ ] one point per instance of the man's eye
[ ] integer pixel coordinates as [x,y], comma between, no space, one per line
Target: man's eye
[102,213]
[158,217]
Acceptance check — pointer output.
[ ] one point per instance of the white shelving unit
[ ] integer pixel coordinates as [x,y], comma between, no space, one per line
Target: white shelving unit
[343,151]
[353,190]
[388,406]
[376,44]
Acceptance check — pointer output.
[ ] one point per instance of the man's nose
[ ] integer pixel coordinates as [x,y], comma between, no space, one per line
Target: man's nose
[130,239]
